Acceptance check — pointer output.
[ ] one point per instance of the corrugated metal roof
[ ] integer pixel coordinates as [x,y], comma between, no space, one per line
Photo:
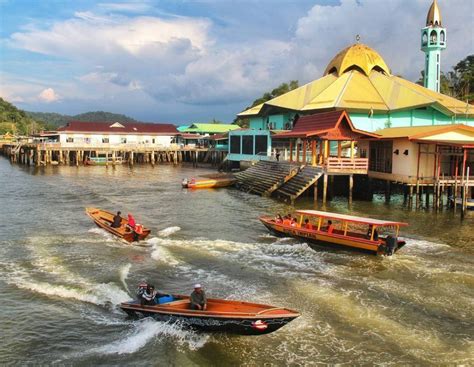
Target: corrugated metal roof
[415,132]
[210,128]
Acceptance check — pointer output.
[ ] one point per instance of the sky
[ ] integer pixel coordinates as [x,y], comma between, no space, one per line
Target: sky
[182,61]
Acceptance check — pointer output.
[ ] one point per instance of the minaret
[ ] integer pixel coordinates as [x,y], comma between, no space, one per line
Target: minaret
[433,41]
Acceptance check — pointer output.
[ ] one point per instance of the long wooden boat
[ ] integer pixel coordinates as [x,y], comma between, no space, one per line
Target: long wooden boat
[209,182]
[103,161]
[469,203]
[347,232]
[235,317]
[104,219]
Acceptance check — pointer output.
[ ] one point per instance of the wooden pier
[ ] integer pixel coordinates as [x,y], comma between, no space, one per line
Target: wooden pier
[44,154]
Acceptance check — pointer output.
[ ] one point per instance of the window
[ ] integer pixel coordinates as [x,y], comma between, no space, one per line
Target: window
[380,159]
[433,37]
[235,144]
[87,140]
[70,140]
[442,37]
[247,144]
[123,140]
[105,140]
[261,144]
[424,39]
[153,141]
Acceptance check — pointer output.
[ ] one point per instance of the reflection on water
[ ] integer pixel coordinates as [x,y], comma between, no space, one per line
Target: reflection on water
[413,308]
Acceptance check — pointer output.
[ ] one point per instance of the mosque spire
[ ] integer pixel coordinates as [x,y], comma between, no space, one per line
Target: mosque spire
[433,41]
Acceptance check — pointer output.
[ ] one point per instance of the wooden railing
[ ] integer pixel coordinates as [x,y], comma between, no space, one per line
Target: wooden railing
[355,165]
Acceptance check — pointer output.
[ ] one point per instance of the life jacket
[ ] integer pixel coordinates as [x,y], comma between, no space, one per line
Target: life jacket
[286,222]
[138,228]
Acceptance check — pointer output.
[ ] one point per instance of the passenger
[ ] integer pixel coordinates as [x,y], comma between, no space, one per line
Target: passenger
[198,299]
[142,286]
[278,219]
[287,221]
[308,225]
[148,296]
[131,222]
[330,228]
[294,223]
[117,221]
[369,233]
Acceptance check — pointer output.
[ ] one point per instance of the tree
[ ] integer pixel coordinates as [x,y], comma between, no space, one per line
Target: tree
[278,91]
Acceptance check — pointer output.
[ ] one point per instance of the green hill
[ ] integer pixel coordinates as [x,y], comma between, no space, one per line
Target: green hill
[17,121]
[54,120]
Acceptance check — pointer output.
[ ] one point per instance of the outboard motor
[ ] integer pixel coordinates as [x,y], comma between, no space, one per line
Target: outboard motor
[391,245]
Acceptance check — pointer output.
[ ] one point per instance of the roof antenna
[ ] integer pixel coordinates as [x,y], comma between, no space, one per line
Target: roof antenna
[357,38]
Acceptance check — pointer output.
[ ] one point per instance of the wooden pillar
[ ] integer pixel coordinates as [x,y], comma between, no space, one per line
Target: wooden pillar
[388,192]
[131,158]
[291,150]
[320,152]
[304,151]
[352,149]
[351,186]
[297,153]
[325,187]
[315,188]
[325,150]
[410,196]
[339,149]
[313,153]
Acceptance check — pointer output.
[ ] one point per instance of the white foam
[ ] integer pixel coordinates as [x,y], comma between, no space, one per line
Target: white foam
[145,331]
[169,231]
[124,271]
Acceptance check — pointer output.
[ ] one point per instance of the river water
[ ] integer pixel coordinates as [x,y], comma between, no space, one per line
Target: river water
[61,278]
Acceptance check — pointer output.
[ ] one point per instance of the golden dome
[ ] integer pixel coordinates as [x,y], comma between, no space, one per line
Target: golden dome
[434,15]
[359,57]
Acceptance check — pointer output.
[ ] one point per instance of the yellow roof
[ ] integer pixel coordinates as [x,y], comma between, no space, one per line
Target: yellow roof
[457,133]
[362,87]
[360,56]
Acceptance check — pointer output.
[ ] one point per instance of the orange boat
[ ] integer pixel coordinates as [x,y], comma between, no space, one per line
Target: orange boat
[104,219]
[347,231]
[236,317]
[208,182]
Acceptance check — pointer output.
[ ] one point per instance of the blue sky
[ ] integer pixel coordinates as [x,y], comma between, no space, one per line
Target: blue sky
[188,61]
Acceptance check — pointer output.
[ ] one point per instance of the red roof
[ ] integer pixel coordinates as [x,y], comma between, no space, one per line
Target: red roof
[325,125]
[119,128]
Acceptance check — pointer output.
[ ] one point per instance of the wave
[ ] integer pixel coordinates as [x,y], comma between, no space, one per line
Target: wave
[145,331]
[169,231]
[124,271]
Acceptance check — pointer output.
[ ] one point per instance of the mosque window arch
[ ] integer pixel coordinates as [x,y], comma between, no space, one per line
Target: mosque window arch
[433,37]
[424,39]
[442,37]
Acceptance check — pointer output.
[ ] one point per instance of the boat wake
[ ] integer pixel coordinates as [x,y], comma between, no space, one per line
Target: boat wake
[124,271]
[148,330]
[169,231]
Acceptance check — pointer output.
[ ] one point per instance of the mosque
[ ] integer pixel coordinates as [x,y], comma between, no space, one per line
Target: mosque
[358,80]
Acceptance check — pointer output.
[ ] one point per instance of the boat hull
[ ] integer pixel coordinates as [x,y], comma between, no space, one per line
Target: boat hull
[320,239]
[209,183]
[216,322]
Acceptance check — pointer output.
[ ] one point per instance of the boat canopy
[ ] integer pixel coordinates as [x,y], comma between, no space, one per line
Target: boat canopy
[351,218]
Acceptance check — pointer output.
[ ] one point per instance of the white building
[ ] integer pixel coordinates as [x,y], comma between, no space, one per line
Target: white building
[97,134]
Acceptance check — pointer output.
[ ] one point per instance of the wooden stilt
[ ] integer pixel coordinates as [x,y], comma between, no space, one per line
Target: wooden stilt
[351,186]
[325,188]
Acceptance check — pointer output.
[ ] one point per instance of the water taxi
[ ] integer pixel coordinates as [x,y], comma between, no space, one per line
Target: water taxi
[340,231]
[209,182]
[235,317]
[104,219]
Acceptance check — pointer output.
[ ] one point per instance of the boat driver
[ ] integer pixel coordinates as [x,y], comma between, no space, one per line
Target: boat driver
[148,296]
[117,221]
[198,298]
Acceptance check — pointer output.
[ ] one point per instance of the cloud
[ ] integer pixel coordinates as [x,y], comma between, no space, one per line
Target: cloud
[48,95]
[185,60]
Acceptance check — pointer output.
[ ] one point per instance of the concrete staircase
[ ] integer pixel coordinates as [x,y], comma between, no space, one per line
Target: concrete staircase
[265,177]
[298,184]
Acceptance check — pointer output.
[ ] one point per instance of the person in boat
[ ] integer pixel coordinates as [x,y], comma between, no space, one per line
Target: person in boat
[369,233]
[142,286]
[131,222]
[294,223]
[287,220]
[278,219]
[330,227]
[148,296]
[198,298]
[308,225]
[117,221]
